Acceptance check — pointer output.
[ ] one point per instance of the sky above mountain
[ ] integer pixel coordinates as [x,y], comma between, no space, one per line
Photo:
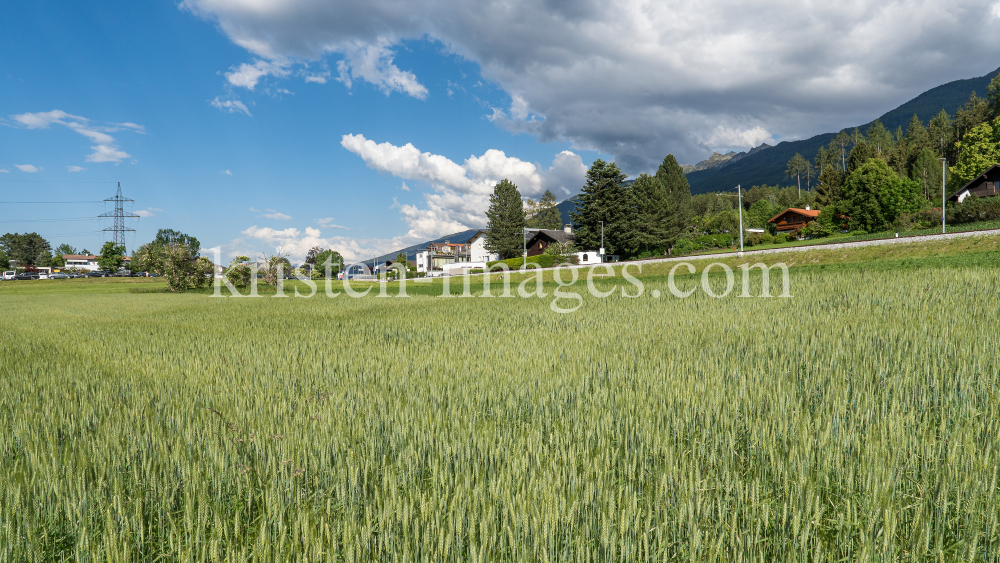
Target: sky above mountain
[368,126]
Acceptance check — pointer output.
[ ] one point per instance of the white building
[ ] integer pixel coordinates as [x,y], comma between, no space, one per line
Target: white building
[78,261]
[477,249]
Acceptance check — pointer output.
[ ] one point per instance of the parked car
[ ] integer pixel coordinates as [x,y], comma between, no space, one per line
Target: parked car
[9,275]
[96,275]
[26,276]
[59,276]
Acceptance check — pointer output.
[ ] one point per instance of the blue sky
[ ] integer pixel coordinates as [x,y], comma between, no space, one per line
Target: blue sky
[370,126]
[202,170]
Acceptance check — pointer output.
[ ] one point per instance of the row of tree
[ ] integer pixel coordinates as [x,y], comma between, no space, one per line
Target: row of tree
[31,249]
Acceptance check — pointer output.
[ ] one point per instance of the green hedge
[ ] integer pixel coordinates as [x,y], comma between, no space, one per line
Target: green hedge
[543,260]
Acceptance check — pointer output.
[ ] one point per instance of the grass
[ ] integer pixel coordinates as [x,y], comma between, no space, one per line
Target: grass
[855,421]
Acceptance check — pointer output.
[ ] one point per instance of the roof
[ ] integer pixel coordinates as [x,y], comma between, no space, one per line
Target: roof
[806,212]
[561,237]
[79,257]
[978,178]
[477,234]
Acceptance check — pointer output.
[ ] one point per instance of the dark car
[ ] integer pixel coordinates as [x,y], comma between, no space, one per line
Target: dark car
[96,274]
[26,277]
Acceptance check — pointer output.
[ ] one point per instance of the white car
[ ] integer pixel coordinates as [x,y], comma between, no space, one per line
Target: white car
[9,275]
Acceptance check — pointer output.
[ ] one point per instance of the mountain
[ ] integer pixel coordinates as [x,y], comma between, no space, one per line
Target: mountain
[767,166]
[717,160]
[411,251]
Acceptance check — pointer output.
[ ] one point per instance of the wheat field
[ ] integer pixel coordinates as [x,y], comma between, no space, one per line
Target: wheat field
[856,421]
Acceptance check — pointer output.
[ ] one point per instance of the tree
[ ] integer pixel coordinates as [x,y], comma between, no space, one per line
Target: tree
[320,261]
[874,196]
[879,139]
[238,273]
[64,248]
[942,133]
[29,249]
[796,167]
[174,262]
[974,113]
[311,255]
[112,257]
[544,214]
[828,191]
[654,221]
[760,213]
[165,237]
[993,97]
[505,226]
[605,198]
[860,154]
[977,151]
[926,171]
[4,261]
[677,211]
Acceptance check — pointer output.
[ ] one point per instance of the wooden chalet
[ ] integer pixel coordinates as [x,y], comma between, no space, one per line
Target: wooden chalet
[793,219]
[986,184]
[544,238]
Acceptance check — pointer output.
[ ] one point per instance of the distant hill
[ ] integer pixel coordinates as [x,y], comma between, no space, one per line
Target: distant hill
[411,251]
[768,166]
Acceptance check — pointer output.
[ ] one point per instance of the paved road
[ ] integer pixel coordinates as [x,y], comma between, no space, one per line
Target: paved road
[834,246]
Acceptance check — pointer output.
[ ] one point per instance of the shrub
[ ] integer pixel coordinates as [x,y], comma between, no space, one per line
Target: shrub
[683,247]
[973,210]
[767,238]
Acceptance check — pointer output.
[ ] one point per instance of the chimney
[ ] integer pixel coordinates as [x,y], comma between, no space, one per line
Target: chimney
[807,208]
[568,229]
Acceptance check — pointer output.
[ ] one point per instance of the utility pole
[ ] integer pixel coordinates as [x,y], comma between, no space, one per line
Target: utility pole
[739,194]
[943,162]
[119,229]
[602,241]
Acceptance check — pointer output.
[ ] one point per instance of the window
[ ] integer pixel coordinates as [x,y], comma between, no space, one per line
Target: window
[585,258]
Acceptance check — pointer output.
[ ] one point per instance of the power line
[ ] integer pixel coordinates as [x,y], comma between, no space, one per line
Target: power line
[50,182]
[87,201]
[51,220]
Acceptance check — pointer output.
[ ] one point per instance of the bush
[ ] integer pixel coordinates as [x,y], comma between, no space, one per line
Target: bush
[753,239]
[723,240]
[683,247]
[767,238]
[973,210]
[920,220]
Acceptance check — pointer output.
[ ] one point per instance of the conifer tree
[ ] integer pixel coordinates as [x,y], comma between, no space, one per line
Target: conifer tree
[546,215]
[654,221]
[860,154]
[677,198]
[505,228]
[605,197]
[828,190]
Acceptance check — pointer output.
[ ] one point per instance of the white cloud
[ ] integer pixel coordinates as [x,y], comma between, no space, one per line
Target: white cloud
[247,76]
[232,106]
[104,151]
[404,187]
[278,216]
[148,212]
[75,169]
[638,79]
[327,223]
[461,192]
[373,63]
[27,168]
[226,172]
[254,209]
[4,171]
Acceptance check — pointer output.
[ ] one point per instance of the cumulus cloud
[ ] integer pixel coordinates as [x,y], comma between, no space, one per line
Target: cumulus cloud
[461,191]
[30,168]
[4,171]
[226,172]
[277,215]
[638,79]
[105,149]
[75,169]
[231,106]
[327,223]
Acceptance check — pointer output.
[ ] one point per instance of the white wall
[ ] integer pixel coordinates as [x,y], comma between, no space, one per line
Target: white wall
[479,252]
[588,257]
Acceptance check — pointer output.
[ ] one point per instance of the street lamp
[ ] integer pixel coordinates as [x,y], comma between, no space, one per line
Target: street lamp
[943,161]
[602,241]
[739,194]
